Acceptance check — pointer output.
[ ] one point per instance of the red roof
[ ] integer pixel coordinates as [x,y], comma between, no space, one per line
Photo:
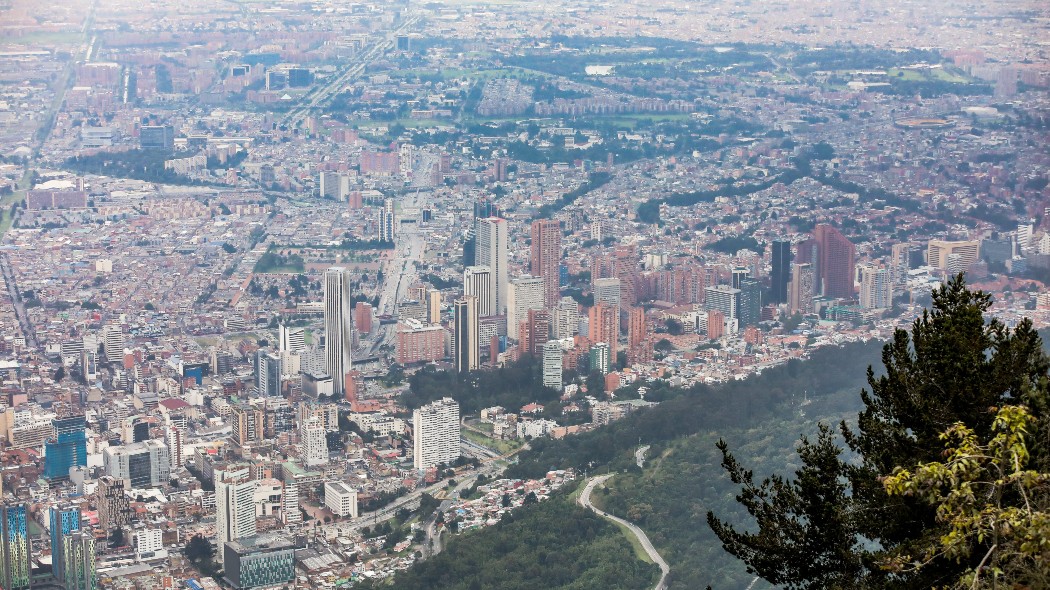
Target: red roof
[174,403]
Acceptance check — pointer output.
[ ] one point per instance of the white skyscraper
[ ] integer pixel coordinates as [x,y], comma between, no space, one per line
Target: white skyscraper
[387,221]
[552,364]
[477,281]
[566,320]
[435,429]
[491,251]
[234,505]
[292,339]
[313,446]
[608,290]
[876,287]
[114,344]
[523,294]
[338,324]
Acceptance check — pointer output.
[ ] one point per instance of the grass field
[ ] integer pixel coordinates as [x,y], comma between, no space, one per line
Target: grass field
[500,446]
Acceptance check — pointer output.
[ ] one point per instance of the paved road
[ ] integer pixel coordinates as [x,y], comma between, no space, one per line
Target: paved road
[639,456]
[19,305]
[585,501]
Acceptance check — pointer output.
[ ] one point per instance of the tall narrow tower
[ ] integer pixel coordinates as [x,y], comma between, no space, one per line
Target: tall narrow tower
[467,334]
[491,251]
[545,258]
[337,326]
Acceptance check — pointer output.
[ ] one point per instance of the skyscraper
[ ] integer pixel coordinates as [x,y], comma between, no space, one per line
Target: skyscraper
[234,504]
[876,287]
[837,259]
[114,507]
[337,326]
[565,322]
[552,364]
[750,302]
[725,299]
[313,442]
[144,464]
[524,293]
[16,549]
[477,281]
[545,258]
[535,331]
[62,521]
[491,251]
[781,272]
[387,221]
[67,449]
[604,326]
[802,288]
[267,373]
[292,339]
[435,432]
[78,561]
[467,334]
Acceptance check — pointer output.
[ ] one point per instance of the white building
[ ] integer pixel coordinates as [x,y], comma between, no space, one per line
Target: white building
[435,430]
[149,544]
[340,498]
[876,288]
[491,251]
[477,281]
[566,320]
[144,464]
[552,359]
[234,505]
[523,294]
[337,326]
[313,444]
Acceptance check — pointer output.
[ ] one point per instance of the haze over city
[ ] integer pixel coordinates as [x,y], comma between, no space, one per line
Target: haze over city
[505,295]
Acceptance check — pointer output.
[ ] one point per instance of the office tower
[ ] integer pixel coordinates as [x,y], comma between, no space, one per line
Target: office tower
[313,442]
[114,344]
[434,306]
[157,137]
[247,424]
[387,221]
[636,327]
[477,282]
[328,185]
[78,561]
[363,317]
[608,291]
[485,208]
[900,264]
[604,326]
[114,507]
[740,273]
[523,294]
[1024,236]
[491,251]
[802,288]
[435,432]
[938,252]
[750,302]
[16,568]
[67,449]
[836,259]
[340,498]
[258,562]
[566,320]
[267,374]
[175,439]
[143,464]
[716,324]
[337,326]
[725,299]
[234,505]
[534,332]
[545,259]
[599,357]
[62,522]
[467,334]
[552,376]
[876,287]
[291,339]
[781,272]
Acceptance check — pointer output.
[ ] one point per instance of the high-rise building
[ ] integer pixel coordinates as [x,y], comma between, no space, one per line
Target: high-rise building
[739,274]
[247,424]
[523,294]
[900,264]
[477,281]
[467,335]
[63,520]
[234,504]
[387,221]
[258,562]
[491,251]
[337,326]
[291,339]
[608,290]
[417,343]
[435,432]
[78,561]
[534,332]
[837,259]
[114,507]
[434,306]
[552,361]
[604,326]
[340,498]
[313,442]
[267,373]
[725,299]
[566,320]
[781,272]
[750,302]
[545,259]
[363,317]
[114,344]
[636,327]
[802,288]
[14,534]
[143,464]
[157,137]
[600,358]
[939,251]
[67,449]
[876,287]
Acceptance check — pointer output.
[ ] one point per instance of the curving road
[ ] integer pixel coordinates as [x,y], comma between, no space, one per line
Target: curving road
[585,501]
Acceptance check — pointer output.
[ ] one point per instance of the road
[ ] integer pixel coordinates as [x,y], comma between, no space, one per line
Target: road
[19,305]
[585,501]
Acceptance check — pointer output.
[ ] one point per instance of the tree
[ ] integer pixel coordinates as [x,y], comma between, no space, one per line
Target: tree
[116,538]
[971,492]
[198,549]
[951,368]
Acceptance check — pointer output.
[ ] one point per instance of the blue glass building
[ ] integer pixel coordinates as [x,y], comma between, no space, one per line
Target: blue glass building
[64,521]
[67,449]
[14,565]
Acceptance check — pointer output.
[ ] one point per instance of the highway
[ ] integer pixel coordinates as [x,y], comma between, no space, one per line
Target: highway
[585,501]
[359,62]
